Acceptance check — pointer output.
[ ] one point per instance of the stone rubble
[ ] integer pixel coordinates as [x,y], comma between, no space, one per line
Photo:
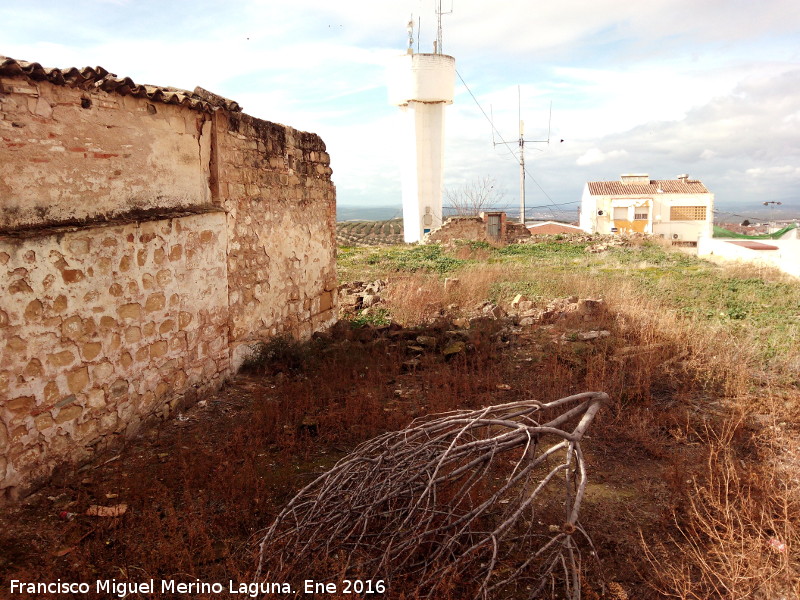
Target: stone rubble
[355,296]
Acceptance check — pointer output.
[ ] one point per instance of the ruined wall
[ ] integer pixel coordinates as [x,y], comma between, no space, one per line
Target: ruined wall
[102,326]
[275,187]
[148,238]
[460,228]
[62,146]
[476,228]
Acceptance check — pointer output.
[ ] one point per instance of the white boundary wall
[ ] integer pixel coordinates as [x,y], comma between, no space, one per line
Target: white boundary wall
[786,257]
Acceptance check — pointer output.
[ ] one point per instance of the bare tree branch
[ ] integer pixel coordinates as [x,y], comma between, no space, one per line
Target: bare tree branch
[460,498]
[473,197]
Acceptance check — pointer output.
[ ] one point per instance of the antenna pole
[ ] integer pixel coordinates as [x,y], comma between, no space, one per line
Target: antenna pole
[521,158]
[438,49]
[521,176]
[437,45]
[522,141]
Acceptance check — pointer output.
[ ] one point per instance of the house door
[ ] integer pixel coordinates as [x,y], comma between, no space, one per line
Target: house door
[494,226]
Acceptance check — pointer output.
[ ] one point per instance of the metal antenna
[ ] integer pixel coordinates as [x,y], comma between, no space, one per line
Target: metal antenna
[437,46]
[522,141]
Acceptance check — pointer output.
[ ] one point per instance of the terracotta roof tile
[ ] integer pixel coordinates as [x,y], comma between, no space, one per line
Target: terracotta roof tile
[89,78]
[667,186]
[551,228]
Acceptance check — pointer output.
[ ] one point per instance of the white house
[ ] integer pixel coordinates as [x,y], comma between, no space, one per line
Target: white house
[677,209]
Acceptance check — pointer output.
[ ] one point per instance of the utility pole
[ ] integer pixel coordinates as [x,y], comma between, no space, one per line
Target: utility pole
[522,141]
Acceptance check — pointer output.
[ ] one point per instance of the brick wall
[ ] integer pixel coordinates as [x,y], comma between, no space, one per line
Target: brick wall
[144,247]
[63,146]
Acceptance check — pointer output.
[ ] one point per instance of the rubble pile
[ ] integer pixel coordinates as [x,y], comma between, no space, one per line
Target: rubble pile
[525,312]
[356,296]
[597,242]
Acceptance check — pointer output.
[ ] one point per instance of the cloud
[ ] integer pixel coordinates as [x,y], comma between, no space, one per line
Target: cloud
[595,156]
[786,172]
[747,150]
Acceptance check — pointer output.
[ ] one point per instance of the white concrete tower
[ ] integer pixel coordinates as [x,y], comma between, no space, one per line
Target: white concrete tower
[421,85]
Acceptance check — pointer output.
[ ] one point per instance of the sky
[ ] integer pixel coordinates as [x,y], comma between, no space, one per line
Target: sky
[705,87]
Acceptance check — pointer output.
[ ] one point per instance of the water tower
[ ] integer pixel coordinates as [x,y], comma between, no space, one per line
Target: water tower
[421,85]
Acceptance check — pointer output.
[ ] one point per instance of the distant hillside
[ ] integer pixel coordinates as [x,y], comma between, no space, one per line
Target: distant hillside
[352,212]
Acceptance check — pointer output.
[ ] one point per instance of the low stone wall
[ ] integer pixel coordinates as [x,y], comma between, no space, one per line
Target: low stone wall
[281,208]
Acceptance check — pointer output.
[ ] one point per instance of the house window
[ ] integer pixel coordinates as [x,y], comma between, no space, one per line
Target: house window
[687,213]
[641,214]
[620,213]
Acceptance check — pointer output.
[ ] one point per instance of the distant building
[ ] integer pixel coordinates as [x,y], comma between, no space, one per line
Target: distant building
[677,209]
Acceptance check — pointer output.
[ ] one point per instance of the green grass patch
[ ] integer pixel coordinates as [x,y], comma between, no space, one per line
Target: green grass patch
[756,312]
[721,232]
[363,263]
[375,318]
[547,249]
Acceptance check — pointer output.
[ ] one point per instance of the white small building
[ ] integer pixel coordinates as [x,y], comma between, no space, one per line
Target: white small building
[677,209]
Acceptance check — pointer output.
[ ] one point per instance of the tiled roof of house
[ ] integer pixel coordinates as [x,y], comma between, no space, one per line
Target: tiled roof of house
[667,186]
[552,228]
[89,78]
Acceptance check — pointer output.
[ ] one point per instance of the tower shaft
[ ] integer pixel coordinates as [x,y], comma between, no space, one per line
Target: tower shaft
[422,85]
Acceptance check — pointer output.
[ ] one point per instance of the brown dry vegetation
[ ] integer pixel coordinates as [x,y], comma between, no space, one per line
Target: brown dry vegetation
[693,490]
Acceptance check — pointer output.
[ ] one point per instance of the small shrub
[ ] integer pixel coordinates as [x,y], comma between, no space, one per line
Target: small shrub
[375,318]
[280,354]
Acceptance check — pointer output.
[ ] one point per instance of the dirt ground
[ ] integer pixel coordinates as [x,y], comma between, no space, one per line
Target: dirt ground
[199,488]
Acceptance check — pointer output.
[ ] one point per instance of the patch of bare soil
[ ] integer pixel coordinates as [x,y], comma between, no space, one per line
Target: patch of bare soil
[198,490]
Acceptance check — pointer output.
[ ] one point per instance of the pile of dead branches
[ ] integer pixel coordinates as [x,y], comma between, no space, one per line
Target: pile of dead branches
[485,501]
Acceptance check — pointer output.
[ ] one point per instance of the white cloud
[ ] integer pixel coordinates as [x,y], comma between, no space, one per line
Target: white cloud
[595,156]
[787,172]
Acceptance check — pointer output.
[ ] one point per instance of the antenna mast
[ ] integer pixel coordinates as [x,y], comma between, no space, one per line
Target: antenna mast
[522,141]
[437,45]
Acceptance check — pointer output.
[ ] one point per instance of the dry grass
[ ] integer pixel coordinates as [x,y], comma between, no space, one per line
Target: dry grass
[737,535]
[420,297]
[695,350]
[709,352]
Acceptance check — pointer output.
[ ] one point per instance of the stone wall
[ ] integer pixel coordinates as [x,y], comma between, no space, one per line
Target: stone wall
[281,211]
[149,237]
[102,326]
